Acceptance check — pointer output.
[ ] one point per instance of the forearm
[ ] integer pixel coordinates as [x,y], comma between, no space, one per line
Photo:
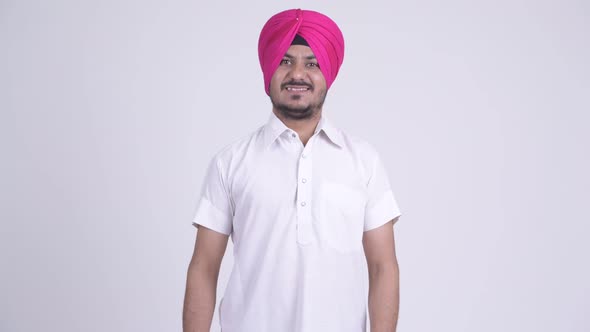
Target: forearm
[199,300]
[384,297]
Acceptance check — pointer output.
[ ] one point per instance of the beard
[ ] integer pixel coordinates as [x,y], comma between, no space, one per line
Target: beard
[299,112]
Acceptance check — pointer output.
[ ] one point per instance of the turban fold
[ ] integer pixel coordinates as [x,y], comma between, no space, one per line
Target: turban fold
[321,33]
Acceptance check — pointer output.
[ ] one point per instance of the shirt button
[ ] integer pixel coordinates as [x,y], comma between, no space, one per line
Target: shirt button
[302,203]
[293,135]
[304,180]
[303,155]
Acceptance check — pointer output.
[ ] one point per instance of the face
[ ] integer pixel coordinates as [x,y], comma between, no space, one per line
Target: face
[298,87]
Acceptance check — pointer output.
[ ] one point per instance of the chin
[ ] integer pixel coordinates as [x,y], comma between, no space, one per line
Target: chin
[297,106]
[292,112]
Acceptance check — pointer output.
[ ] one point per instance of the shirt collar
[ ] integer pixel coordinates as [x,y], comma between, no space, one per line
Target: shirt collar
[274,127]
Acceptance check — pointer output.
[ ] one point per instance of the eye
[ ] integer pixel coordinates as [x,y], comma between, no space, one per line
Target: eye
[313,65]
[285,62]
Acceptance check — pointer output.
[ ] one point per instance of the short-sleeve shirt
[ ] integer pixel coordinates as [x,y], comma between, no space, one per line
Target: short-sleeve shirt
[296,215]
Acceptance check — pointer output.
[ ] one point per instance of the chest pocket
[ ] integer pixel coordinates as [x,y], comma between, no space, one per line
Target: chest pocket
[342,214]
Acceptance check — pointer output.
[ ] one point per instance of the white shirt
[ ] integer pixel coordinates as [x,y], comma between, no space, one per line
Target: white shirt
[296,215]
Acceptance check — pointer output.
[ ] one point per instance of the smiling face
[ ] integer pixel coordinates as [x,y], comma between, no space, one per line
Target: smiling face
[297,87]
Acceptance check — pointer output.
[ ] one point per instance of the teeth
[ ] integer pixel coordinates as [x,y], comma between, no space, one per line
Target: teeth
[296,89]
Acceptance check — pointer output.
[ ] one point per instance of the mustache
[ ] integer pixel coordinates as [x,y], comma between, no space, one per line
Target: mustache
[300,83]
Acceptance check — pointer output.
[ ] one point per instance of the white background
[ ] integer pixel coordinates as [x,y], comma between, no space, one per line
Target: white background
[111,110]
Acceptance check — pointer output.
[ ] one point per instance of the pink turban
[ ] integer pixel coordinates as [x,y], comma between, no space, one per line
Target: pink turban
[321,33]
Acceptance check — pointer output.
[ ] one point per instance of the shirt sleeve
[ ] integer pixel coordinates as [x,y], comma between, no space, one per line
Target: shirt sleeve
[381,205]
[214,208]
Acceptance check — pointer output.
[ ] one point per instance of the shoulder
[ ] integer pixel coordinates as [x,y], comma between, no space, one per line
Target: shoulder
[358,146]
[360,152]
[238,148]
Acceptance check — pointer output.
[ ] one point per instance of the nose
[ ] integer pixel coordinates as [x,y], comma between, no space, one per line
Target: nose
[298,71]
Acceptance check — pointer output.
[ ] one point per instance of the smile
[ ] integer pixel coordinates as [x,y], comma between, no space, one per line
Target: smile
[297,89]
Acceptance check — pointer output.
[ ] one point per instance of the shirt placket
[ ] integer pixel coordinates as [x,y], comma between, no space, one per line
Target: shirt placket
[304,192]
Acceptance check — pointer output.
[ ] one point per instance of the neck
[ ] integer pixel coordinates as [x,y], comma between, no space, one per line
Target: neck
[303,127]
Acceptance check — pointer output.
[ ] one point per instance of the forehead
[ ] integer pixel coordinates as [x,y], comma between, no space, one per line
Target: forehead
[299,51]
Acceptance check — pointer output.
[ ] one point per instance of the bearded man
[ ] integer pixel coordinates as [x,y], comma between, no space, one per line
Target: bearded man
[305,203]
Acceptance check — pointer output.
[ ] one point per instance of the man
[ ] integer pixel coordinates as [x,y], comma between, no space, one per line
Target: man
[304,202]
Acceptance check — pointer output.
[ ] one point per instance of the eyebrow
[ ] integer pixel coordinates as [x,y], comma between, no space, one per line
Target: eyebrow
[309,57]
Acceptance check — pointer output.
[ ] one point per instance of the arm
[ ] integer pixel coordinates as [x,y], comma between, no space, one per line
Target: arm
[201,283]
[379,248]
